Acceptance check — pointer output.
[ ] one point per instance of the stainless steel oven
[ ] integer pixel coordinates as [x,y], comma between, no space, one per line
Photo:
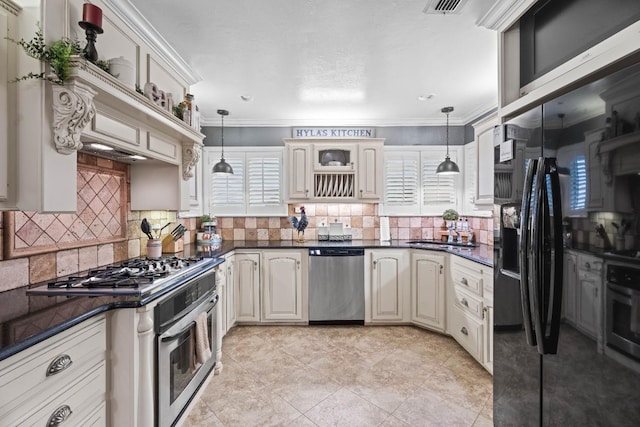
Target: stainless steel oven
[179,373]
[623,308]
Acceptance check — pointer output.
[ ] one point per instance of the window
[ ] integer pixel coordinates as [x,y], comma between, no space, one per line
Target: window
[578,182]
[254,189]
[412,186]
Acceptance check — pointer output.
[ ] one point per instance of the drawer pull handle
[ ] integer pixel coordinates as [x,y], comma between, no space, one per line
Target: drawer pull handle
[464,302]
[464,281]
[464,331]
[59,416]
[59,364]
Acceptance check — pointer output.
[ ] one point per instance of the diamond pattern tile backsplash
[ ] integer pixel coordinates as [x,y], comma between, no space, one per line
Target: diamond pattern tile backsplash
[100,216]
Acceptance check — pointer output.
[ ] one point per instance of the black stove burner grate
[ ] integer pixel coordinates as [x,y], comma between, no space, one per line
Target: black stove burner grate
[127,274]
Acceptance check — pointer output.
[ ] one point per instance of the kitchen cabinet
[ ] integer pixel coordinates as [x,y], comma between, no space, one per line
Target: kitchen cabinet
[299,171]
[64,375]
[588,296]
[387,286]
[8,18]
[484,158]
[334,169]
[596,187]
[231,295]
[284,286]
[428,290]
[246,283]
[487,339]
[370,171]
[570,280]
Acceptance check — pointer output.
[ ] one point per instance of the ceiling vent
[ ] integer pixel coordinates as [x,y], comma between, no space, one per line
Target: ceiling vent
[443,7]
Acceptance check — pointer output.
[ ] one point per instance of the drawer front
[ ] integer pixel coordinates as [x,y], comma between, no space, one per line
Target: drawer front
[468,302]
[74,405]
[468,332]
[589,264]
[52,363]
[467,278]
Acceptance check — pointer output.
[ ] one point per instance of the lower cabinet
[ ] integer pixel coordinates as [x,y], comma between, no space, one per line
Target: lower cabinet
[428,290]
[468,331]
[246,283]
[487,339]
[582,299]
[569,289]
[230,294]
[387,286]
[60,379]
[588,307]
[284,288]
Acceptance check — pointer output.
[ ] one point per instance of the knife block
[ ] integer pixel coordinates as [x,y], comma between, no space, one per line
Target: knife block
[172,246]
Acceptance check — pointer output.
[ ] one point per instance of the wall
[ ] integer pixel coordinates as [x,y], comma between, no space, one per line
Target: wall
[47,263]
[362,218]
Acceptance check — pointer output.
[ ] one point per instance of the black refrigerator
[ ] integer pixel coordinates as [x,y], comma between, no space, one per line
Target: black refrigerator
[567,174]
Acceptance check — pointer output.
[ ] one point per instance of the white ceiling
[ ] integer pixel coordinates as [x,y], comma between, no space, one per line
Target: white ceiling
[332,62]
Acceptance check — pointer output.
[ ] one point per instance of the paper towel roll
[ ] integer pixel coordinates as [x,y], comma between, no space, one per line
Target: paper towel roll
[385,234]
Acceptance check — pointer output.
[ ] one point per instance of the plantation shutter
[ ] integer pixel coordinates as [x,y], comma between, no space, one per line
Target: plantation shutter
[264,183]
[578,180]
[227,191]
[439,191]
[401,183]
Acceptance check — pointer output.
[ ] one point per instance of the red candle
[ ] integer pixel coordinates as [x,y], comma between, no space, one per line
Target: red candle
[92,14]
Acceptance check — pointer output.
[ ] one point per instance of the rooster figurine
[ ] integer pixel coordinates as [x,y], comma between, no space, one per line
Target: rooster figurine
[300,224]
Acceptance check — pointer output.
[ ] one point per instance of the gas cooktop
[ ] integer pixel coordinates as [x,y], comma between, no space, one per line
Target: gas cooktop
[136,277]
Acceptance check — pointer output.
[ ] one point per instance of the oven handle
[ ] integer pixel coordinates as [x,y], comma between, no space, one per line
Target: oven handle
[175,336]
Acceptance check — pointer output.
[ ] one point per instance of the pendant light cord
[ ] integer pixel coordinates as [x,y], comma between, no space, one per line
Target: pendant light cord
[222,135]
[447,134]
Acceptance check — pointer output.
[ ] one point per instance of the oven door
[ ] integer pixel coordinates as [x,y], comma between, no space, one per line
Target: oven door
[179,376]
[620,332]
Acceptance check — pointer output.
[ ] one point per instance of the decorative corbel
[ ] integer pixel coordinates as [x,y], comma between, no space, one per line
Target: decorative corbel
[190,157]
[73,109]
[605,163]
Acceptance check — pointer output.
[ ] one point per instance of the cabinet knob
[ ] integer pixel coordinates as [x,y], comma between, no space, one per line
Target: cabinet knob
[441,268]
[298,263]
[464,281]
[374,264]
[59,416]
[464,302]
[255,265]
[464,330]
[484,312]
[59,364]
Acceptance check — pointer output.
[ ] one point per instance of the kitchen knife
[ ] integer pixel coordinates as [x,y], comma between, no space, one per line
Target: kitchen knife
[180,232]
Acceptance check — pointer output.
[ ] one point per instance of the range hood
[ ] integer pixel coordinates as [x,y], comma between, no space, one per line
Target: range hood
[95,107]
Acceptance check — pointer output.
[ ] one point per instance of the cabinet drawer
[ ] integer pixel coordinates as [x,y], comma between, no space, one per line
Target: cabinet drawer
[467,302]
[77,403]
[467,331]
[467,278]
[53,363]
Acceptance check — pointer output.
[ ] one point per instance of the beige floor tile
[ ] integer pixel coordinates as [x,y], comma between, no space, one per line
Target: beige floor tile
[426,408]
[270,365]
[341,367]
[483,422]
[393,422]
[468,390]
[252,409]
[304,388]
[201,415]
[344,408]
[383,388]
[301,421]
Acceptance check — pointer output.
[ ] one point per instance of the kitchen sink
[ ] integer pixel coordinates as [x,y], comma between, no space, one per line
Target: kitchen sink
[440,242]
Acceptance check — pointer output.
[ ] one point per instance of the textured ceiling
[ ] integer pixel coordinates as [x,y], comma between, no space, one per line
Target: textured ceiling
[332,62]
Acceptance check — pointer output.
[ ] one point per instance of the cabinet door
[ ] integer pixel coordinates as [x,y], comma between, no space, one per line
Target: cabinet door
[485,153]
[488,338]
[231,293]
[8,71]
[588,318]
[221,286]
[370,171]
[282,286]
[428,290]
[595,177]
[299,171]
[387,286]
[247,285]
[570,279]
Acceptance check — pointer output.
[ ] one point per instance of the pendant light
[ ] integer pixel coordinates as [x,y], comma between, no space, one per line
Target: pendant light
[222,167]
[447,167]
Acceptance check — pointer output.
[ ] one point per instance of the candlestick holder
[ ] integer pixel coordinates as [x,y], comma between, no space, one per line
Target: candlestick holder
[91,30]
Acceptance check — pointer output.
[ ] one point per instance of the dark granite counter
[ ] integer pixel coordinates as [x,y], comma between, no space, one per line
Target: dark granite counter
[26,320]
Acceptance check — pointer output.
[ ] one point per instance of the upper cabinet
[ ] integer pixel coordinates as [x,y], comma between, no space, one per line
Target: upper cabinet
[93,106]
[478,170]
[334,170]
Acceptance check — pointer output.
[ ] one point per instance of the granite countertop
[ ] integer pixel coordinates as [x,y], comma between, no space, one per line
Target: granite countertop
[28,319]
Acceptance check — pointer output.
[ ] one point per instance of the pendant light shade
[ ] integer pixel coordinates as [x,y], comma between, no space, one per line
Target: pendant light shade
[448,167]
[222,167]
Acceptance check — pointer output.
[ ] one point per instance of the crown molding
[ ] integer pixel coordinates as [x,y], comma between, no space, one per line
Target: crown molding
[132,17]
[10,7]
[503,13]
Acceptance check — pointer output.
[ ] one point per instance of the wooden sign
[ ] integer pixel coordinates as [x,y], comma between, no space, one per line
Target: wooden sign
[341,133]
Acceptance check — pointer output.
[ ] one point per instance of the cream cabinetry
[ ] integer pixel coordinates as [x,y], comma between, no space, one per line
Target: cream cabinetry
[93,106]
[334,170]
[589,295]
[284,286]
[570,279]
[387,286]
[428,290]
[246,283]
[226,291]
[470,308]
[481,166]
[63,377]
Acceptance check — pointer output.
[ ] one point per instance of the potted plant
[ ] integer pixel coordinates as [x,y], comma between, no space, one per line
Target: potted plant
[449,215]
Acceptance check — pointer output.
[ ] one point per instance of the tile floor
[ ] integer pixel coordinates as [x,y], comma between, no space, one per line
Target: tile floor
[344,376]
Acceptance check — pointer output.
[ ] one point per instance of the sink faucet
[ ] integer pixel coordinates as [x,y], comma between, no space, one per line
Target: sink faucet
[451,230]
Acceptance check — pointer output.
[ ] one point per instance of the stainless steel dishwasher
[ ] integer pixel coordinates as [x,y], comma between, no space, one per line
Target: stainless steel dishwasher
[336,286]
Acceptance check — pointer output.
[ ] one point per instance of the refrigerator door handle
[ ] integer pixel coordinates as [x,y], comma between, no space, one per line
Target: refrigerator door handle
[525,213]
[536,254]
[551,340]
